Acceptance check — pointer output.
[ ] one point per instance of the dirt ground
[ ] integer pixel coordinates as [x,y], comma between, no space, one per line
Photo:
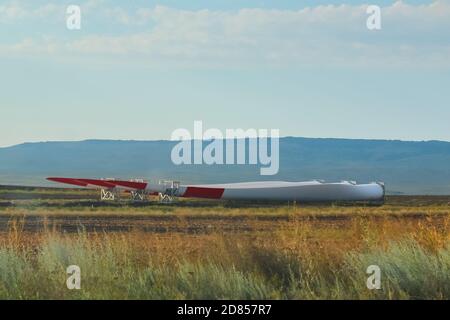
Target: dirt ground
[71,210]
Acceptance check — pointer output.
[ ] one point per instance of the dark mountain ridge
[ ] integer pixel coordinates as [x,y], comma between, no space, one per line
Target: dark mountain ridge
[409,167]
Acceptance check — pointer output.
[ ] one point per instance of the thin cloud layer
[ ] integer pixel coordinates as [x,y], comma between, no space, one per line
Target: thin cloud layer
[330,35]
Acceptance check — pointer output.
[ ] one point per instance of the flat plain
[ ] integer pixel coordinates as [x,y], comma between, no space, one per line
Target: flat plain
[214,250]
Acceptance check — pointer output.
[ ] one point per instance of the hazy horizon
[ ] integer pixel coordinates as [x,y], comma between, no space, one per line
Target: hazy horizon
[281,137]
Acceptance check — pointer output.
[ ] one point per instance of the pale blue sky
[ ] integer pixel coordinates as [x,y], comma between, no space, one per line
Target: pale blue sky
[141,71]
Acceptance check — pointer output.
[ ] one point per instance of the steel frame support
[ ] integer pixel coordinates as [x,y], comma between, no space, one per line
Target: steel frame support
[138,195]
[171,191]
[108,195]
[165,198]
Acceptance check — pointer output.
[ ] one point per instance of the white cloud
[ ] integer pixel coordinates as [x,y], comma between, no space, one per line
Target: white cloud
[11,11]
[24,11]
[325,35]
[17,11]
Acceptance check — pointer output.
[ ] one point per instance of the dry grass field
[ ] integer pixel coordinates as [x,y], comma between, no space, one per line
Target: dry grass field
[221,250]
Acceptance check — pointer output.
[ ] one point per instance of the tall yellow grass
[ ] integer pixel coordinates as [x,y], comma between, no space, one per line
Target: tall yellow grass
[300,259]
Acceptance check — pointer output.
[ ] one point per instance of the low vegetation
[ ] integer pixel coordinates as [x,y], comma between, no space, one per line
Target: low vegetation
[282,265]
[248,252]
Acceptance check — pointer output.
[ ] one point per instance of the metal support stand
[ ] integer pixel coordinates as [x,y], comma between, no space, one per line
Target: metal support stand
[171,191]
[138,195]
[108,195]
[165,198]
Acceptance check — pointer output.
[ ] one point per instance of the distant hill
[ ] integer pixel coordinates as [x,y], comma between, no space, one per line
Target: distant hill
[405,166]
